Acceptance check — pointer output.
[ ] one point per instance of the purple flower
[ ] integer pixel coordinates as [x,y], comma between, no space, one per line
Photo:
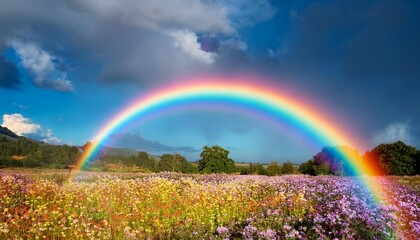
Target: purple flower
[267,234]
[222,230]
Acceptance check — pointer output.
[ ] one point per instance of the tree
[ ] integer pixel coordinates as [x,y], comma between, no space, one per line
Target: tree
[287,168]
[188,167]
[274,169]
[307,167]
[336,159]
[169,163]
[144,160]
[393,159]
[215,160]
[30,153]
[175,163]
[243,170]
[322,169]
[257,168]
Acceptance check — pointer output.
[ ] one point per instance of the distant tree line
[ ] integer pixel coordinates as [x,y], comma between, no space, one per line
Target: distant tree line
[385,159]
[216,160]
[165,163]
[24,152]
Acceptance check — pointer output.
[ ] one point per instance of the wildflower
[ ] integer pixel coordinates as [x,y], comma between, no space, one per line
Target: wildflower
[267,234]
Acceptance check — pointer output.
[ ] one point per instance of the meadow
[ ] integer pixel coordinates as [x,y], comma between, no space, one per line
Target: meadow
[95,205]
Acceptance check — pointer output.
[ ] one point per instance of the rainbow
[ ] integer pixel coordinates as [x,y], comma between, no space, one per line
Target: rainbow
[242,93]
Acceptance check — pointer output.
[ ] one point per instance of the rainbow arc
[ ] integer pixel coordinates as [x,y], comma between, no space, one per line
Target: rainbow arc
[243,93]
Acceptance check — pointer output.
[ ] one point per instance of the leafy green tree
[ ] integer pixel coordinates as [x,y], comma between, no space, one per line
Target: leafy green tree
[322,169]
[307,167]
[393,159]
[215,160]
[166,163]
[257,168]
[274,169]
[288,168]
[188,167]
[175,163]
[336,159]
[32,153]
[144,160]
[243,170]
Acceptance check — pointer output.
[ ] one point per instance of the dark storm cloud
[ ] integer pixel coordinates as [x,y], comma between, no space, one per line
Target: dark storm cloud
[9,75]
[360,39]
[136,141]
[136,42]
[385,46]
[359,57]
[120,48]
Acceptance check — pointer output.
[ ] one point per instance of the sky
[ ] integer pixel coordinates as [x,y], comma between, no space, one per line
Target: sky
[67,67]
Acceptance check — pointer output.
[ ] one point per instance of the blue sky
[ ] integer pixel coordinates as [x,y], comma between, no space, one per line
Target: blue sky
[67,67]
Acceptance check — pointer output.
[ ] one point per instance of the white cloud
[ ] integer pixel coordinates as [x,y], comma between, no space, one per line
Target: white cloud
[395,132]
[19,124]
[23,126]
[41,65]
[186,41]
[48,137]
[165,15]
[215,16]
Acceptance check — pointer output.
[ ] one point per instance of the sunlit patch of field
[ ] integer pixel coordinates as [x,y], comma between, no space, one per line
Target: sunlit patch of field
[117,205]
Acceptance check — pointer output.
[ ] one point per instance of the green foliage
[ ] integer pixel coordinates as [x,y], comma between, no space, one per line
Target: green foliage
[274,169]
[322,169]
[394,159]
[243,170]
[307,167]
[168,163]
[118,159]
[287,168]
[215,160]
[257,168]
[100,165]
[24,152]
[144,160]
[175,163]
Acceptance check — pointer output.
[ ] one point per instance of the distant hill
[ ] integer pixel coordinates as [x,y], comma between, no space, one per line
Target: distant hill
[124,152]
[20,151]
[4,131]
[119,151]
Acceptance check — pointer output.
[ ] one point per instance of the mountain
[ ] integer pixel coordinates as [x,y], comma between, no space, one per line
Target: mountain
[4,131]
[119,151]
[124,152]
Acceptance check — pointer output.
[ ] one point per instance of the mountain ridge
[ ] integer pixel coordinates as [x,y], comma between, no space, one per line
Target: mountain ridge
[4,131]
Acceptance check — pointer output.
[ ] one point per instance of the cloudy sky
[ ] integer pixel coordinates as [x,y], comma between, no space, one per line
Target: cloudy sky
[67,67]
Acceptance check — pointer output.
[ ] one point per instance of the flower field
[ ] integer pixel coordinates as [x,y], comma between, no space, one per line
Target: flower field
[176,206]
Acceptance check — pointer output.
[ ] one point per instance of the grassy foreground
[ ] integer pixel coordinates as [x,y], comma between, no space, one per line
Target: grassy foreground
[46,205]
